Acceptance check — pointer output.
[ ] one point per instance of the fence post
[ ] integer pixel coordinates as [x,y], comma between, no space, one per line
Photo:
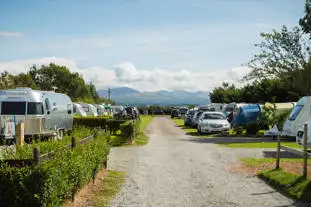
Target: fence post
[73,142]
[278,151]
[305,152]
[36,156]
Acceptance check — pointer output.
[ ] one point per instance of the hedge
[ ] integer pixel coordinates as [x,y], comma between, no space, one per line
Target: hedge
[130,129]
[112,124]
[50,183]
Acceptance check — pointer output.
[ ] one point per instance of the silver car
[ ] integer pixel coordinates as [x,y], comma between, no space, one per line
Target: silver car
[213,122]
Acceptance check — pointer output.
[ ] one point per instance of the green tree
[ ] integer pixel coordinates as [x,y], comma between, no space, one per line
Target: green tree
[305,22]
[283,55]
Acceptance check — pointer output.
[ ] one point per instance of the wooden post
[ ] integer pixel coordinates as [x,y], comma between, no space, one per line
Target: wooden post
[305,152]
[73,142]
[20,128]
[36,156]
[278,151]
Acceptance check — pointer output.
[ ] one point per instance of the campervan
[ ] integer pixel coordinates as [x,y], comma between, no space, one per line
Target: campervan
[299,115]
[44,113]
[89,109]
[78,110]
[215,107]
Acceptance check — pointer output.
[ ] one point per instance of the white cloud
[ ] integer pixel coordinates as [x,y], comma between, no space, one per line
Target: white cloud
[10,34]
[127,74]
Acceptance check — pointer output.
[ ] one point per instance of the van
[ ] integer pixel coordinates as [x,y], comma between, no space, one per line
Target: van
[78,110]
[44,113]
[89,109]
[299,115]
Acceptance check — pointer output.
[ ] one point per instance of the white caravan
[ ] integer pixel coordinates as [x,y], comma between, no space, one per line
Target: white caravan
[300,135]
[89,109]
[44,113]
[78,110]
[216,107]
[299,115]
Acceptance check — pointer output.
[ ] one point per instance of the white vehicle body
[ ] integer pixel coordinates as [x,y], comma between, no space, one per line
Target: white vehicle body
[195,118]
[299,115]
[44,113]
[300,135]
[216,106]
[78,110]
[101,111]
[89,109]
[210,122]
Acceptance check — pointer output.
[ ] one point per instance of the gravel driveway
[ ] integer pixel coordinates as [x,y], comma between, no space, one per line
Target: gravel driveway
[172,170]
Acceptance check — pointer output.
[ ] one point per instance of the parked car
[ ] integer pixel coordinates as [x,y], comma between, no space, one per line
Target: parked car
[299,115]
[189,117]
[183,111]
[175,113]
[44,113]
[213,122]
[195,119]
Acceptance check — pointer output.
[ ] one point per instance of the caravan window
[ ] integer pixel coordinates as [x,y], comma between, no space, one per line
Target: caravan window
[13,108]
[295,112]
[35,108]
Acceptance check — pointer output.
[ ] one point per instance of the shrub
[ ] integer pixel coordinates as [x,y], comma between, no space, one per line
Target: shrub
[112,124]
[50,183]
[252,128]
[130,129]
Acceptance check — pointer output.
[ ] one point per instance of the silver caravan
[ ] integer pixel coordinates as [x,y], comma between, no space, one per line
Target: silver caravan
[44,113]
[89,109]
[78,110]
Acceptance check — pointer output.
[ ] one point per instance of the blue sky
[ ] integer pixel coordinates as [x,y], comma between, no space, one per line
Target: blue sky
[196,36]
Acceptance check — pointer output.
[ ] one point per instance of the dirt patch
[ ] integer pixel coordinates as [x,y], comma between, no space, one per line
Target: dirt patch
[84,196]
[290,167]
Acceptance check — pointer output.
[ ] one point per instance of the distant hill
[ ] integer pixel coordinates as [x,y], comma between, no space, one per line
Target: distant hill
[125,95]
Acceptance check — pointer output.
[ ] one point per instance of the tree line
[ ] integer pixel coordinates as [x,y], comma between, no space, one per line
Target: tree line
[280,71]
[50,77]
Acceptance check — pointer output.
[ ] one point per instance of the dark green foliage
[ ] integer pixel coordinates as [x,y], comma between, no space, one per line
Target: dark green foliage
[49,184]
[305,22]
[252,128]
[112,124]
[130,129]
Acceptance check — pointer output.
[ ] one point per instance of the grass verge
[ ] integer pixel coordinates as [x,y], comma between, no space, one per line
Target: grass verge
[260,145]
[110,186]
[291,185]
[254,162]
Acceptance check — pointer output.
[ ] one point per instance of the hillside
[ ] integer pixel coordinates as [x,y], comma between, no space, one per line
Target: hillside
[125,95]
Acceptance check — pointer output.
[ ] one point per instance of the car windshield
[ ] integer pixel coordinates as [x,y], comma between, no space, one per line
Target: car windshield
[13,108]
[295,112]
[214,116]
[34,108]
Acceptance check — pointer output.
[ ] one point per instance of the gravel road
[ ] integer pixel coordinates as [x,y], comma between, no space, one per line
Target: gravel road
[174,170]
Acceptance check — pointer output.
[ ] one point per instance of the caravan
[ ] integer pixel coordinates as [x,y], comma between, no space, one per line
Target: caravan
[299,115]
[89,109]
[78,110]
[44,113]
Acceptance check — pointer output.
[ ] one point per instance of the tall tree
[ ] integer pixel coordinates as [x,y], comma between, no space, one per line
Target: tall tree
[305,22]
[284,55]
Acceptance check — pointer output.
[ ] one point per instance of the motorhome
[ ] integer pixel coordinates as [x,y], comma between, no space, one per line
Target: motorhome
[89,109]
[299,115]
[44,113]
[78,110]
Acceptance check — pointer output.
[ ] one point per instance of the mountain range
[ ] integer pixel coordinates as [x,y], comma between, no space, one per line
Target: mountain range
[129,96]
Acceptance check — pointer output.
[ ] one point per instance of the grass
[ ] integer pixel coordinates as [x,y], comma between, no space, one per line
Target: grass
[260,145]
[110,186]
[255,162]
[292,185]
[119,141]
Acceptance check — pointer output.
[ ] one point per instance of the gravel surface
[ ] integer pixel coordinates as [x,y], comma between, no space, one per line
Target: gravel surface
[174,170]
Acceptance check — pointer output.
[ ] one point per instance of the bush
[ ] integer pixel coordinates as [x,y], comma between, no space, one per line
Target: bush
[130,129]
[50,183]
[252,128]
[112,124]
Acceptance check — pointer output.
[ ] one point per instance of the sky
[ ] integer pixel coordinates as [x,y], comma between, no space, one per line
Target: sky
[144,44]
